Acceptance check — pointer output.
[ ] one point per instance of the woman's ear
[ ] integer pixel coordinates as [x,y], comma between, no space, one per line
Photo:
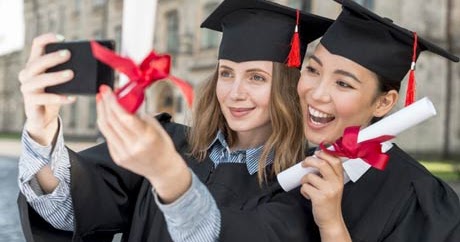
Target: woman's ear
[385,103]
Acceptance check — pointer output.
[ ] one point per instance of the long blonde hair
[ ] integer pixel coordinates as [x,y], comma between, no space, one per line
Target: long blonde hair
[287,140]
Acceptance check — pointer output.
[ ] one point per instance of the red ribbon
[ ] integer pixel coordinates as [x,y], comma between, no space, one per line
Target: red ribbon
[370,150]
[153,68]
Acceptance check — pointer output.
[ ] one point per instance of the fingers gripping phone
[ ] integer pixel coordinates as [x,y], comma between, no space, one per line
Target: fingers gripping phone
[89,73]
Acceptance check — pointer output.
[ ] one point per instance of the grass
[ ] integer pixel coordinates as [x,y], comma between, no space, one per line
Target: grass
[10,135]
[446,170]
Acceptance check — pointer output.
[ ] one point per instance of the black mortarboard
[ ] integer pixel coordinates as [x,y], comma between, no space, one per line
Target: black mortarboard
[262,30]
[376,42]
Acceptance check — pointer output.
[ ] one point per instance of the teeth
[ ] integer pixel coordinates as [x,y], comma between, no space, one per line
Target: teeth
[319,118]
[319,114]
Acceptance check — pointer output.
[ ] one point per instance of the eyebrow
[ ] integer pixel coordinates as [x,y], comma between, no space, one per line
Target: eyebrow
[339,71]
[249,70]
[316,59]
[225,67]
[348,74]
[258,70]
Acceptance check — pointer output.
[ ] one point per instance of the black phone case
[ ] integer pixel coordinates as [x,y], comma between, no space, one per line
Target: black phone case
[89,73]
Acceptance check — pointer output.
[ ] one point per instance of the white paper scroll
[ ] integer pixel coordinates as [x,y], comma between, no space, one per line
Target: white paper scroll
[391,125]
[12,26]
[137,30]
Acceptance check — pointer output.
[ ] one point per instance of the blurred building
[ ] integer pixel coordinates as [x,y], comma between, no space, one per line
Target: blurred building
[194,52]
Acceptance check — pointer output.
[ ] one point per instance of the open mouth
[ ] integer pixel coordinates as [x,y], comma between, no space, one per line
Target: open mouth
[319,118]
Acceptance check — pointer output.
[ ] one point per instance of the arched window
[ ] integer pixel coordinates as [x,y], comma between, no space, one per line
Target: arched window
[165,101]
[209,39]
[366,3]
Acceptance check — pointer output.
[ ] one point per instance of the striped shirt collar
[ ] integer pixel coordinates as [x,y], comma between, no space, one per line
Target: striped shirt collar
[221,153]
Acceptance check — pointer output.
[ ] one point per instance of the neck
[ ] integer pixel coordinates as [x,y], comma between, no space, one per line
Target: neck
[251,139]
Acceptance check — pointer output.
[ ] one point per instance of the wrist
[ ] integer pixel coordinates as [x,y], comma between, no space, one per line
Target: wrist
[335,232]
[173,181]
[43,135]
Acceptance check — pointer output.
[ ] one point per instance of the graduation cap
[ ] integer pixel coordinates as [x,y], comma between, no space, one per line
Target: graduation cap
[263,30]
[378,44]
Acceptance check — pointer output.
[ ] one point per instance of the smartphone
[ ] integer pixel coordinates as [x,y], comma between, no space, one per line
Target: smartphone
[89,73]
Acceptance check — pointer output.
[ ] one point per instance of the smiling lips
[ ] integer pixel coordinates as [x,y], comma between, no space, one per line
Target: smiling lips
[319,118]
[240,112]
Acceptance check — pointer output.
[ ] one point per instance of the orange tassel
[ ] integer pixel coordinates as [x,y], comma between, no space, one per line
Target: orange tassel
[293,59]
[411,85]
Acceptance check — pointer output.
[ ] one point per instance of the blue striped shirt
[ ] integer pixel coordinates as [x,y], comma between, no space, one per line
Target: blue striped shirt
[221,153]
[56,208]
[192,217]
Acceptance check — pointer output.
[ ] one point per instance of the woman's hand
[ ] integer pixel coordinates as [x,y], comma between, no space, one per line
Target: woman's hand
[42,108]
[325,192]
[141,145]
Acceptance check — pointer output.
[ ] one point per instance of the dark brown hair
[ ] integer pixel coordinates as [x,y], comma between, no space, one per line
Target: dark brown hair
[384,86]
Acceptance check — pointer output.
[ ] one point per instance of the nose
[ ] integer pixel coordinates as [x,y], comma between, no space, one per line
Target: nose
[320,92]
[238,91]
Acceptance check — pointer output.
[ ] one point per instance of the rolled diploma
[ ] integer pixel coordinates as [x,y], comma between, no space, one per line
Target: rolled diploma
[391,125]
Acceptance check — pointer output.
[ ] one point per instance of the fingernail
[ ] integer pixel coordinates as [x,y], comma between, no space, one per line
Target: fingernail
[60,37]
[104,89]
[71,98]
[66,74]
[64,53]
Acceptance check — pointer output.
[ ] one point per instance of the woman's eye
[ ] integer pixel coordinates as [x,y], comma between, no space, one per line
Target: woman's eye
[311,70]
[344,84]
[258,78]
[225,74]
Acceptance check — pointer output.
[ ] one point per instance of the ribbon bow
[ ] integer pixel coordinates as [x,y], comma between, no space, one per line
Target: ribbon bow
[153,68]
[370,150]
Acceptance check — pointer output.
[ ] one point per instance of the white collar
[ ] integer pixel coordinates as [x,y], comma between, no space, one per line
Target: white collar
[355,168]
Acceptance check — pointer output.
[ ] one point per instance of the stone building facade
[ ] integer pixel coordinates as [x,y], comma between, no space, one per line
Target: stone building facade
[194,52]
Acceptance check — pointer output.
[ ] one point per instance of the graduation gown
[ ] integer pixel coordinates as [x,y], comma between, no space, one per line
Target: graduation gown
[108,199]
[402,203]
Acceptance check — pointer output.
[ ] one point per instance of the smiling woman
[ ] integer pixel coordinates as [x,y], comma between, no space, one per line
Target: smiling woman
[155,180]
[352,79]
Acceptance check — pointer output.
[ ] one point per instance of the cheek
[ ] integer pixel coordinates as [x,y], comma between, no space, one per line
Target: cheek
[262,95]
[301,87]
[354,109]
[221,91]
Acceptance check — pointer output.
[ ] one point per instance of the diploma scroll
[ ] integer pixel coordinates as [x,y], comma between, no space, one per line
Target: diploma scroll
[390,125]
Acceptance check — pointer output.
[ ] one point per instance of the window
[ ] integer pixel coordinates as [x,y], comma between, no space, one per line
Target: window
[366,3]
[172,36]
[209,39]
[166,100]
[78,6]
[62,19]
[52,23]
[97,34]
[295,4]
[98,3]
[73,115]
[118,38]
[304,5]
[92,114]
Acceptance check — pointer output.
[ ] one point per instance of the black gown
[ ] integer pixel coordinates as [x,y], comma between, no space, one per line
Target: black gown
[108,199]
[405,202]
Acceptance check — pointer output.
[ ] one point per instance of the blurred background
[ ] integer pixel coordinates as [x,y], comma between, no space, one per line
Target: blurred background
[436,142]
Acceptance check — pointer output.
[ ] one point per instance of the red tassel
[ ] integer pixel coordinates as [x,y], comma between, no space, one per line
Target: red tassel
[293,59]
[411,89]
[411,85]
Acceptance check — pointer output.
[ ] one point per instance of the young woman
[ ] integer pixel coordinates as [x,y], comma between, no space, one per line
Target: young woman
[352,81]
[151,181]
